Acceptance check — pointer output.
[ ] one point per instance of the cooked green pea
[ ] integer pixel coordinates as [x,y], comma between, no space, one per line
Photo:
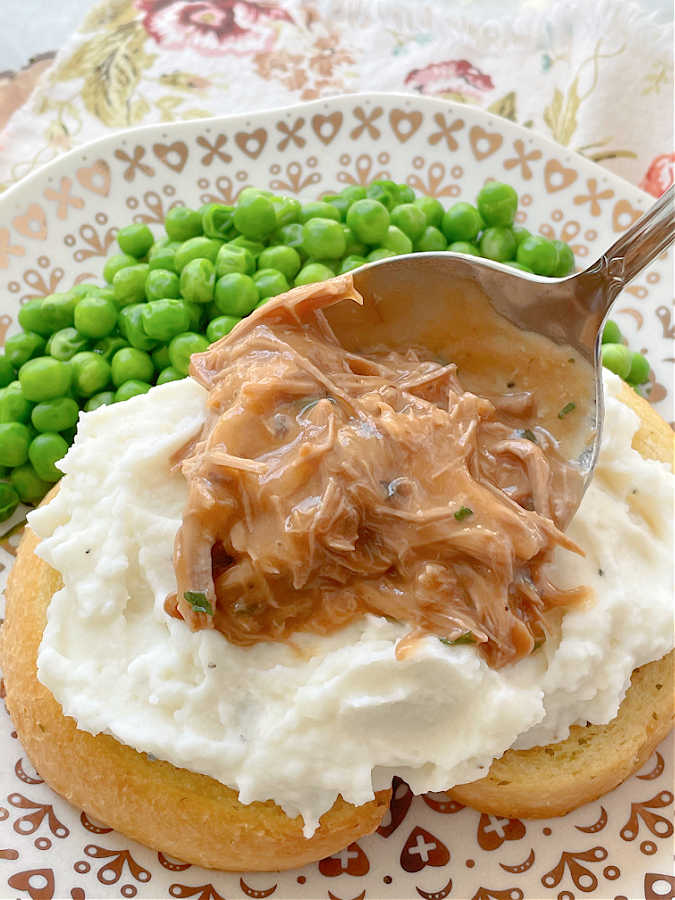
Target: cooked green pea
[403,193]
[9,500]
[169,374]
[254,216]
[218,221]
[397,241]
[19,348]
[255,248]
[617,358]
[115,263]
[135,240]
[234,259]
[384,192]
[639,369]
[312,273]
[520,233]
[130,320]
[565,260]
[538,254]
[353,192]
[430,239]
[465,247]
[58,310]
[380,253]
[131,389]
[31,318]
[369,220]
[28,485]
[103,398]
[131,364]
[269,283]
[44,378]
[317,209]
[163,319]
[332,264]
[611,333]
[196,248]
[161,283]
[196,314]
[461,222]
[236,294]
[164,256]
[7,374]
[352,262]
[323,238]
[353,247]
[197,281]
[55,415]
[432,209]
[14,407]
[498,243]
[129,284]
[287,210]
[15,438]
[220,326]
[95,317]
[410,219]
[340,203]
[108,346]
[497,203]
[182,223]
[290,236]
[160,359]
[91,373]
[284,259]
[183,346]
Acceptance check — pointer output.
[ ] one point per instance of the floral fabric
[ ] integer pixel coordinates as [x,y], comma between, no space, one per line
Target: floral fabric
[595,77]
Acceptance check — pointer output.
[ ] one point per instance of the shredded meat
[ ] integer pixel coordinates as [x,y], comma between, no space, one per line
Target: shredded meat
[326,484]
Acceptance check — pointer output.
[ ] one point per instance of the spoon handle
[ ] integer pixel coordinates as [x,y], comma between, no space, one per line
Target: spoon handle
[652,233]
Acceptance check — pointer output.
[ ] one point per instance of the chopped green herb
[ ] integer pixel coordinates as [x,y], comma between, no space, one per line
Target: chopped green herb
[567,408]
[527,434]
[198,602]
[463,513]
[466,638]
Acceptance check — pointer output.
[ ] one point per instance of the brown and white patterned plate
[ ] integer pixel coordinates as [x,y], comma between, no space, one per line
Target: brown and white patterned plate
[56,229]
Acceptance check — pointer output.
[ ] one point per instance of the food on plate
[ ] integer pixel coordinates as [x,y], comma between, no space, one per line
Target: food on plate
[168,297]
[122,670]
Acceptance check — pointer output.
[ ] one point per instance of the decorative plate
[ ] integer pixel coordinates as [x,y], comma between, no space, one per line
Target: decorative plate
[56,229]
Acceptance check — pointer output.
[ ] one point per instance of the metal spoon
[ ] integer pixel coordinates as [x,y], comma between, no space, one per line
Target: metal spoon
[568,311]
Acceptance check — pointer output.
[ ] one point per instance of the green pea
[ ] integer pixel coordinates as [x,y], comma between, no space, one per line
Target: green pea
[287,210]
[234,259]
[465,247]
[353,247]
[91,373]
[269,283]
[163,319]
[410,219]
[169,374]
[403,193]
[384,192]
[163,257]
[639,369]
[108,346]
[497,203]
[611,333]
[130,320]
[131,389]
[349,263]
[538,254]
[197,281]
[183,346]
[55,415]
[129,284]
[432,209]
[254,216]
[19,348]
[615,357]
[565,260]
[236,294]
[44,451]
[284,259]
[430,239]
[255,248]
[131,364]
[161,283]
[7,374]
[182,223]
[369,220]
[95,317]
[312,273]
[58,310]
[353,192]
[317,209]
[520,234]
[323,238]
[31,318]
[9,500]
[218,221]
[28,485]
[135,240]
[332,264]
[44,378]
[15,439]
[498,243]
[340,203]
[197,248]
[103,398]
[14,407]
[380,253]
[290,236]
[461,222]
[397,241]
[116,263]
[195,313]
[220,326]
[160,359]
[520,267]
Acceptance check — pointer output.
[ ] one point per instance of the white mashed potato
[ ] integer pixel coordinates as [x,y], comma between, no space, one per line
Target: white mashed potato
[343,715]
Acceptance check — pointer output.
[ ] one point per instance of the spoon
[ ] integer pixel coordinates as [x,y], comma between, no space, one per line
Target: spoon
[569,311]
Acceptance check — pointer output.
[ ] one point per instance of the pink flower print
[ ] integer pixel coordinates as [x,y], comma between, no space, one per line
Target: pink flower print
[659,175]
[454,76]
